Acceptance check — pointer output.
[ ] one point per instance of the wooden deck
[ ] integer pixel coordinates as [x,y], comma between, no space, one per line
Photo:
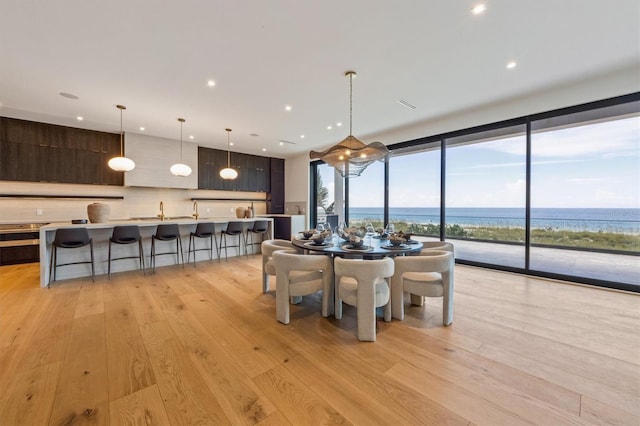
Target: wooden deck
[202,346]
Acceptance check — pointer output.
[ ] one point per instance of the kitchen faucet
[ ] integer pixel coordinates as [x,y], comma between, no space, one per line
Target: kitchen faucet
[161,215]
[195,207]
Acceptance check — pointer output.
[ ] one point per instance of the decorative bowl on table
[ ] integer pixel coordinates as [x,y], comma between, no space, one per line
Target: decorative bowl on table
[308,234]
[406,235]
[319,238]
[396,240]
[356,242]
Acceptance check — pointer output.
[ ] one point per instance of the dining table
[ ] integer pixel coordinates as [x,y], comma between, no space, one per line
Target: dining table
[374,247]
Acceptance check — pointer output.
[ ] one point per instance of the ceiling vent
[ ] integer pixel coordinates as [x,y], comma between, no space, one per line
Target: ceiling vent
[406,104]
[289,142]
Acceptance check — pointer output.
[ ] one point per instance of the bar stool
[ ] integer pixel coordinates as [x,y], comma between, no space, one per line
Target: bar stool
[166,232]
[234,228]
[70,238]
[203,230]
[126,234]
[260,227]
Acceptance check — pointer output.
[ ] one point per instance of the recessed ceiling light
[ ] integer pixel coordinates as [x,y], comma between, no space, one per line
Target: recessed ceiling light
[211,83]
[511,65]
[191,137]
[68,95]
[287,108]
[264,149]
[79,118]
[301,136]
[479,9]
[329,127]
[281,143]
[142,129]
[231,143]
[338,124]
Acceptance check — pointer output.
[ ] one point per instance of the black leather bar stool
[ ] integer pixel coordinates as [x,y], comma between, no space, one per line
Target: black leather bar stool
[234,229]
[166,232]
[126,234]
[203,230]
[70,238]
[260,227]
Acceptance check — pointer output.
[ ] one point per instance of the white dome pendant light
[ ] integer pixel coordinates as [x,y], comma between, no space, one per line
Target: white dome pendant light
[122,163]
[228,173]
[180,169]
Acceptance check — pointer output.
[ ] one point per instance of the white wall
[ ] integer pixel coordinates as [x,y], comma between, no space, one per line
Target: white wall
[137,202]
[296,182]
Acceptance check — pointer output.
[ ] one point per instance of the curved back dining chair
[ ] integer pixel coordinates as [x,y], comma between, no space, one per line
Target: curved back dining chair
[124,235]
[70,238]
[438,245]
[429,274]
[300,275]
[268,267]
[166,232]
[363,284]
[204,230]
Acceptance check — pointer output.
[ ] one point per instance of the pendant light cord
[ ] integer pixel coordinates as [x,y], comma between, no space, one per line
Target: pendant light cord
[121,136]
[350,104]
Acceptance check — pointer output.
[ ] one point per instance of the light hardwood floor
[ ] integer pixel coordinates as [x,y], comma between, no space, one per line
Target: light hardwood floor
[202,346]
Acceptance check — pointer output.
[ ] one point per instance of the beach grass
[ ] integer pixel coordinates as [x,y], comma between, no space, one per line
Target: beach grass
[551,237]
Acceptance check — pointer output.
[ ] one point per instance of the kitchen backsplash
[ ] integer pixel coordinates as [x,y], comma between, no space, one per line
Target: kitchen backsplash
[136,202]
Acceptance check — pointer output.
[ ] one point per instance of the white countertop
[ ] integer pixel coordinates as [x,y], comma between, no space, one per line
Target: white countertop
[141,222]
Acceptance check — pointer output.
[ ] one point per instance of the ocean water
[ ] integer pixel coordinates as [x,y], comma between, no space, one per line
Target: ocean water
[623,221]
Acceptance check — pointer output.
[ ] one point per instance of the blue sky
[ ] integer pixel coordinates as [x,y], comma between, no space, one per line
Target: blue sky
[594,165]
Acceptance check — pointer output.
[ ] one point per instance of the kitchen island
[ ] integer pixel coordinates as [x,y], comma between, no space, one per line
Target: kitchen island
[101,232]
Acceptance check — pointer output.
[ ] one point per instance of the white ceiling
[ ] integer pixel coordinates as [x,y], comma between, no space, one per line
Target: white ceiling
[155,57]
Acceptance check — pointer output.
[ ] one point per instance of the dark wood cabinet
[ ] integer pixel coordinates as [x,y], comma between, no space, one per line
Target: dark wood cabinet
[275,200]
[40,152]
[253,171]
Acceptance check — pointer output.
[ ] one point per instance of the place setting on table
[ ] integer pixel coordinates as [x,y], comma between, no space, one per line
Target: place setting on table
[361,239]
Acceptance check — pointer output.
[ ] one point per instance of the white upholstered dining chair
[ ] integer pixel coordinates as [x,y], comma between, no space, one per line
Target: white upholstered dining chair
[299,275]
[363,284]
[268,247]
[428,274]
[438,245]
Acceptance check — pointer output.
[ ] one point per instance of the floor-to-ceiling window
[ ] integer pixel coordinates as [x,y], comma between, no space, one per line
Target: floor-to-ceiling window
[414,190]
[366,196]
[485,195]
[585,194]
[553,194]
[326,208]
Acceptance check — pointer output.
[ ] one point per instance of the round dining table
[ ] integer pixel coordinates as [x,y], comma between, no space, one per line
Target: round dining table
[373,248]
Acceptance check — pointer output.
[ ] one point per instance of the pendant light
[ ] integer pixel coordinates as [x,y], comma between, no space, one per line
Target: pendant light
[351,156]
[122,163]
[181,169]
[228,172]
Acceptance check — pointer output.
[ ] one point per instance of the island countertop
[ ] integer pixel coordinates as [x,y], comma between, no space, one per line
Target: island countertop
[101,232]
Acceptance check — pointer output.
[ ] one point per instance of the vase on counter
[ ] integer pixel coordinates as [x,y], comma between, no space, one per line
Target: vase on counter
[249,213]
[98,212]
[240,212]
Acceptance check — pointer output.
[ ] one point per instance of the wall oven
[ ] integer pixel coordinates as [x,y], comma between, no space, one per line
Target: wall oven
[20,243]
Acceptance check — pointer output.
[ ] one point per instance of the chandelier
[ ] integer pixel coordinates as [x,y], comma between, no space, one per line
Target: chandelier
[351,156]
[122,163]
[228,172]
[180,169]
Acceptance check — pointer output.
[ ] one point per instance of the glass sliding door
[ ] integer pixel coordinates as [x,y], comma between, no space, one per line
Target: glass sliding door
[585,194]
[327,209]
[486,196]
[366,196]
[414,191]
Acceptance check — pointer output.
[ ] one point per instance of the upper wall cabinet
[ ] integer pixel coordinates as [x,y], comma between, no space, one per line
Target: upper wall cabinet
[154,157]
[254,171]
[40,152]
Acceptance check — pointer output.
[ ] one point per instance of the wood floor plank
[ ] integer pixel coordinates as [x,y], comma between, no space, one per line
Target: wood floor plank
[141,408]
[184,392]
[201,345]
[296,401]
[82,395]
[28,398]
